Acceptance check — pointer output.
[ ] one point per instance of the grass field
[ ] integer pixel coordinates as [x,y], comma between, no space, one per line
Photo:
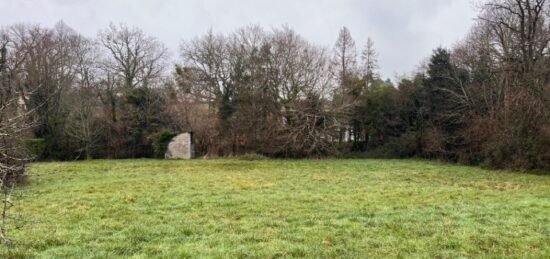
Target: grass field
[267,209]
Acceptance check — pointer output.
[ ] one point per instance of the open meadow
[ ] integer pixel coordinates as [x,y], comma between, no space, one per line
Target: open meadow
[280,208]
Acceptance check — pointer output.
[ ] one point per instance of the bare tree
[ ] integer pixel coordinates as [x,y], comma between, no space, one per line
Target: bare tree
[345,65]
[369,57]
[84,121]
[521,32]
[132,65]
[131,59]
[207,74]
[258,83]
[303,80]
[206,71]
[15,122]
[345,61]
[134,57]
[83,125]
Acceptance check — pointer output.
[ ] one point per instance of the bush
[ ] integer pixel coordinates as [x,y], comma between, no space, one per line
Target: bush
[433,143]
[542,149]
[35,147]
[161,141]
[406,145]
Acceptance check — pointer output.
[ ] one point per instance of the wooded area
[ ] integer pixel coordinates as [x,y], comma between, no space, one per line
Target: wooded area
[271,92]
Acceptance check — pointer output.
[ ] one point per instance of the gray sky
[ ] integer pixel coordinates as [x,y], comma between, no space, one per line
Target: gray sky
[404,31]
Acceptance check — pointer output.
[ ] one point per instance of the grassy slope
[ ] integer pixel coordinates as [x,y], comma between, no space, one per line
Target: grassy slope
[229,208]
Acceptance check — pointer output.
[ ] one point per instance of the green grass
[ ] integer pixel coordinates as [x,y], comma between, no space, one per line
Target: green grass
[278,208]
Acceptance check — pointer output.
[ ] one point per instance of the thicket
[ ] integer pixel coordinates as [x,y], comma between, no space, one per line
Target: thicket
[273,93]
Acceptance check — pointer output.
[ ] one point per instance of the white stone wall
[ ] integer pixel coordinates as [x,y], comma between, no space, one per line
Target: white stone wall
[181,147]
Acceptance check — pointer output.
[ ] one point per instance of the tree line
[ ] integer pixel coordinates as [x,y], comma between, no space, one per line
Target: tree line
[272,92]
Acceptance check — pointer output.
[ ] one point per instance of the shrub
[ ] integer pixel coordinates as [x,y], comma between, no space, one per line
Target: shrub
[35,147]
[433,143]
[542,149]
[406,145]
[161,141]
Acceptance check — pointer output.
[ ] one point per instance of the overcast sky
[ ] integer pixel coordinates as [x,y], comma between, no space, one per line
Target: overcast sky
[404,31]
